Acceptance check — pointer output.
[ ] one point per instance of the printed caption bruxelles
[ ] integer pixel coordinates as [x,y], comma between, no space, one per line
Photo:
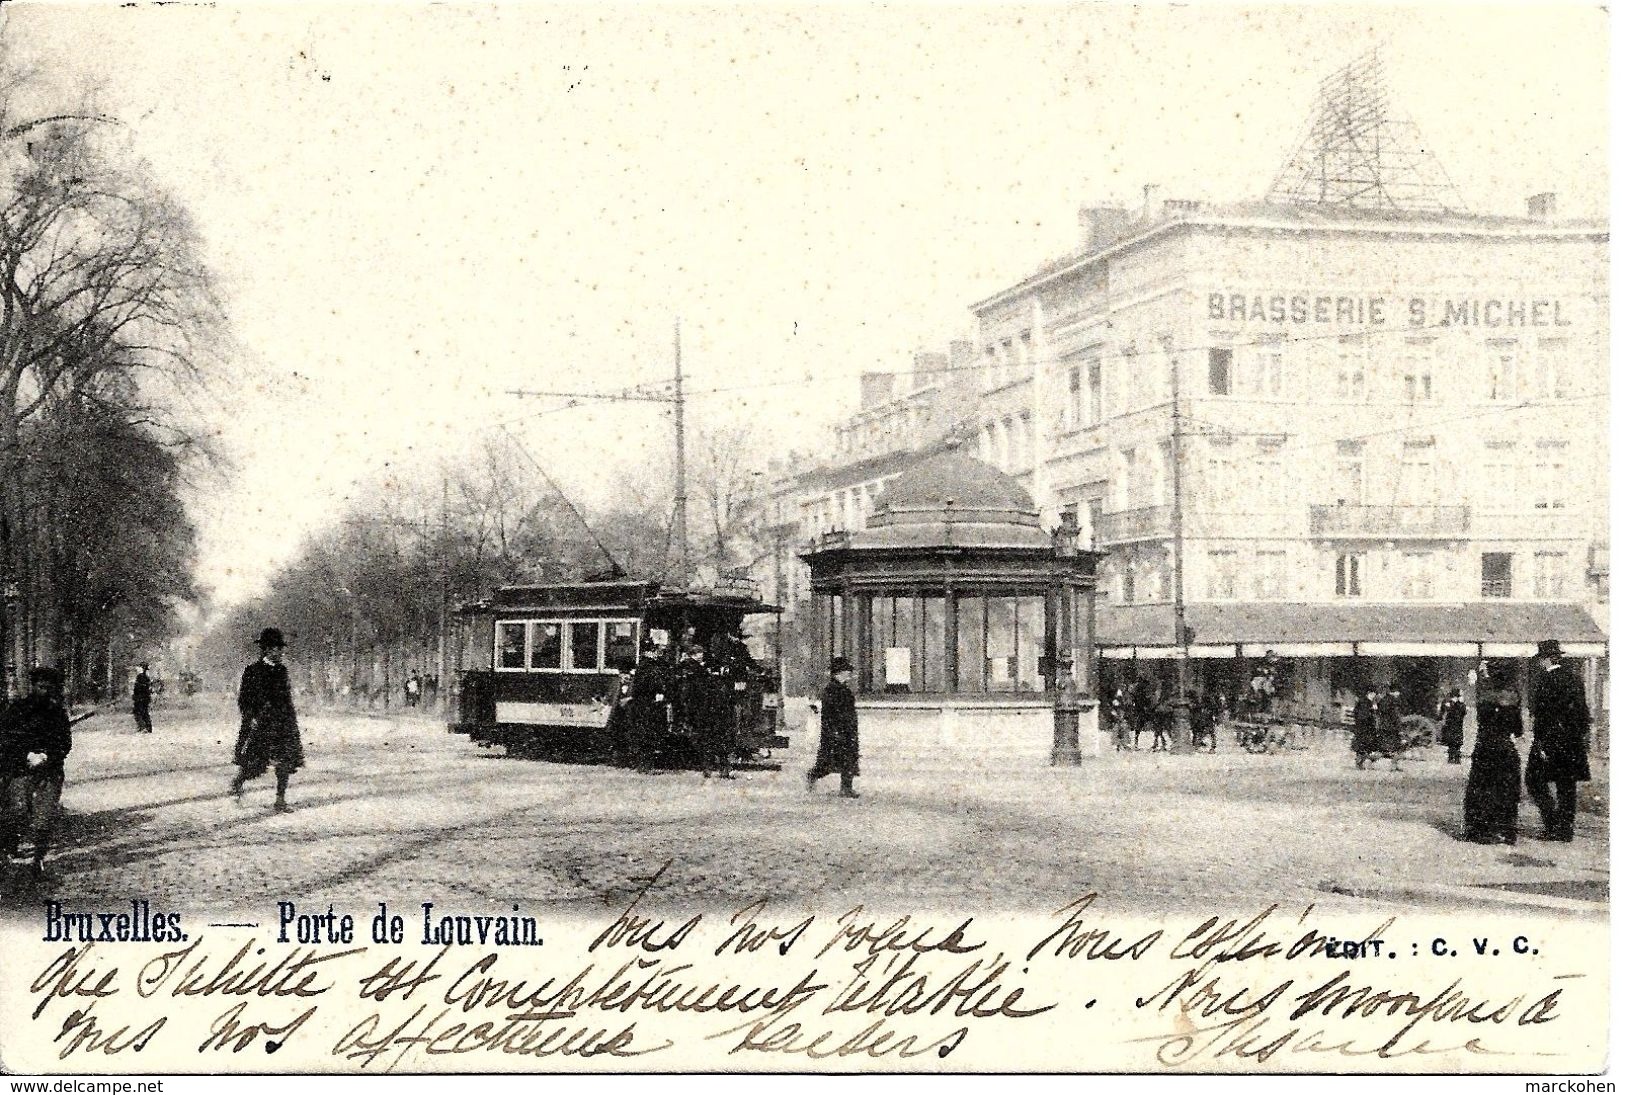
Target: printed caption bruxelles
[780,987]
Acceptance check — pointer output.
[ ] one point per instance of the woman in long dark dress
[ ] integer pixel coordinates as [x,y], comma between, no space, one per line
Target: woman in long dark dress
[1491,807]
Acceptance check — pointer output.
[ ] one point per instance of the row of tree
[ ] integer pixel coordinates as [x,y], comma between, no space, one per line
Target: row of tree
[362,601]
[110,331]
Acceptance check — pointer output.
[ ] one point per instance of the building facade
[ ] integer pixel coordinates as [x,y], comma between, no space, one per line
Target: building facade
[1386,434]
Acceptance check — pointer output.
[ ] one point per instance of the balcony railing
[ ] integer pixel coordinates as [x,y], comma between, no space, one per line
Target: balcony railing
[1146,523]
[1395,522]
[1497,587]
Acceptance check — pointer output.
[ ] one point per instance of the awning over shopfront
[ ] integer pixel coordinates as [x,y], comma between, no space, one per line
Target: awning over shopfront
[1337,630]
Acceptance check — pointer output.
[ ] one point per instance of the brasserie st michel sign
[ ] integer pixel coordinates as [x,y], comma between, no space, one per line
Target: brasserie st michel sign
[1287,309]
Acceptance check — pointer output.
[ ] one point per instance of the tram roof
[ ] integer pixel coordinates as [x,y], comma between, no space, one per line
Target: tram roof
[638,594]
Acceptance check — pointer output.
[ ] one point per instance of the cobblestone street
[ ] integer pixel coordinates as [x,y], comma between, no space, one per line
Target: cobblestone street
[395,808]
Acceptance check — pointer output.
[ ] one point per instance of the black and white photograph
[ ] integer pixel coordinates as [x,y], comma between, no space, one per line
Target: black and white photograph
[806,538]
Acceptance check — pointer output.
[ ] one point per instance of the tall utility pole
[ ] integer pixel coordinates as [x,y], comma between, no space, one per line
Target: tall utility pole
[1182,663]
[680,509]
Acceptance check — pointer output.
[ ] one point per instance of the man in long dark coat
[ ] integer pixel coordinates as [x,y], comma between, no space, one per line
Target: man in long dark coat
[650,707]
[838,730]
[1561,724]
[1390,730]
[1452,716]
[269,735]
[34,744]
[141,701]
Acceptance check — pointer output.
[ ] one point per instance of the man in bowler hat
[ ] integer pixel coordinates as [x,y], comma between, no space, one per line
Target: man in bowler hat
[141,700]
[269,735]
[838,730]
[1561,725]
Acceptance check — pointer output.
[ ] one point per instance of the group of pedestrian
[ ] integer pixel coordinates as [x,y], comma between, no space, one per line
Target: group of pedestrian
[421,689]
[1560,726]
[699,703]
[1378,728]
[1131,712]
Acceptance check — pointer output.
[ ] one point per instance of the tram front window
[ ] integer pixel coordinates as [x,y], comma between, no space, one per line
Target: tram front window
[620,643]
[584,646]
[511,646]
[546,646]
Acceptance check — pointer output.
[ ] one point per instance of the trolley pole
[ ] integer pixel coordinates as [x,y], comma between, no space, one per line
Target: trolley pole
[1182,663]
[680,509]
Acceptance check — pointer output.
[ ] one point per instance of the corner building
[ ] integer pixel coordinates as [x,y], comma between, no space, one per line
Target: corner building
[1391,437]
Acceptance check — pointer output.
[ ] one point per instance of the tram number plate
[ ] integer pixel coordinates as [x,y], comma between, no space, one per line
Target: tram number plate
[554,714]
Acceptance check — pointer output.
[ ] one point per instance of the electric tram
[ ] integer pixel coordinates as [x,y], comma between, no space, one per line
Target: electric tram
[544,665]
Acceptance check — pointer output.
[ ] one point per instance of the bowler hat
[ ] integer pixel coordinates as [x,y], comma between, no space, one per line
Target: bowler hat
[1548,648]
[271,637]
[839,665]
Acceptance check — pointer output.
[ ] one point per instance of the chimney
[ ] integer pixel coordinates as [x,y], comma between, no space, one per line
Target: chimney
[926,367]
[1180,207]
[1543,207]
[1149,207]
[875,389]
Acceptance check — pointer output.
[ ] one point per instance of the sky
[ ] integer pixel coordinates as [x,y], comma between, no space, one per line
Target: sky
[415,210]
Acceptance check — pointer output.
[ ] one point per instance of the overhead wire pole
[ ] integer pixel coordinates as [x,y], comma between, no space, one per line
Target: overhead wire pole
[1182,638]
[680,516]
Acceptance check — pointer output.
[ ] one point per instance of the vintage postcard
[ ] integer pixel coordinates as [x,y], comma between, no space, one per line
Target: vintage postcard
[804,539]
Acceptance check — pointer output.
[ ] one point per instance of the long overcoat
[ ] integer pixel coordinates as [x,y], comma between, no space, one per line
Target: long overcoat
[1490,805]
[1453,712]
[838,731]
[1560,725]
[1365,728]
[269,735]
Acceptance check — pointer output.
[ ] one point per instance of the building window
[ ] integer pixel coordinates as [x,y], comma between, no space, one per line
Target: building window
[1496,571]
[1503,370]
[1351,370]
[1128,581]
[1348,484]
[1418,482]
[1418,376]
[1073,416]
[1220,361]
[1549,571]
[1269,575]
[990,367]
[1097,398]
[1417,581]
[1097,510]
[1026,354]
[1221,575]
[1263,377]
[584,646]
[1549,483]
[1008,359]
[1349,567]
[1221,479]
[1554,367]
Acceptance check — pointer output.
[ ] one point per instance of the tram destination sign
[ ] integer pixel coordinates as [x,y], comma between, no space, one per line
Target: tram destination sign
[1286,309]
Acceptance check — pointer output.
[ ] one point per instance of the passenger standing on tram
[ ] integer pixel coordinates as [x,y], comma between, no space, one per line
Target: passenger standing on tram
[715,720]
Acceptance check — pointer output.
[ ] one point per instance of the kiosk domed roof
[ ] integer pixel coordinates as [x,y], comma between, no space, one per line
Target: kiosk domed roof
[952,498]
[954,476]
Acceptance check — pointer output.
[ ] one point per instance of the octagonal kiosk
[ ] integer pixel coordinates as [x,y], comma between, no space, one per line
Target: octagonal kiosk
[971,629]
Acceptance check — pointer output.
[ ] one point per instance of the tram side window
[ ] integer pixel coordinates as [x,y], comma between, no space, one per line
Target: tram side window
[511,646]
[546,646]
[620,643]
[584,645]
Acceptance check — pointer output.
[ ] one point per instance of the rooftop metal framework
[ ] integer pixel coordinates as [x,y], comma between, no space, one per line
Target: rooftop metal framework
[1359,151]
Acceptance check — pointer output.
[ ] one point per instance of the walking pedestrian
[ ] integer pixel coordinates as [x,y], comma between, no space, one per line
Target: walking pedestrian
[269,734]
[1452,714]
[837,731]
[1365,740]
[141,700]
[1490,808]
[1390,731]
[1560,729]
[35,740]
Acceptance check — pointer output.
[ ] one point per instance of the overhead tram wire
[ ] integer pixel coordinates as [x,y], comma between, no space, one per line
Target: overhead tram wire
[615,564]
